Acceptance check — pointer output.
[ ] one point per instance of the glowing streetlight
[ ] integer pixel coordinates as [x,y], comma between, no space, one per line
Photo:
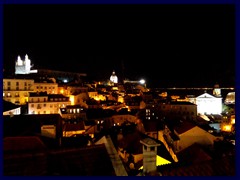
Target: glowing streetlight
[142,81]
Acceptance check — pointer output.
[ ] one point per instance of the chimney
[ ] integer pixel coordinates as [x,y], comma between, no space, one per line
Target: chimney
[149,155]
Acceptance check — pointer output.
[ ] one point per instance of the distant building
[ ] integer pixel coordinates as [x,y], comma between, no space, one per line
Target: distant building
[113,78]
[179,109]
[230,98]
[217,90]
[24,67]
[17,90]
[46,85]
[43,103]
[208,104]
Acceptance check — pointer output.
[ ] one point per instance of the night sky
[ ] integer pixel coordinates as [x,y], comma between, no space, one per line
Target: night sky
[168,45]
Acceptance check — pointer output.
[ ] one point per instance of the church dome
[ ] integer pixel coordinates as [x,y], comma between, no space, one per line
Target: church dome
[114,78]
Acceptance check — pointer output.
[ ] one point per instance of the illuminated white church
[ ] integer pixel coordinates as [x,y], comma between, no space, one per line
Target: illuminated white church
[113,78]
[208,104]
[24,67]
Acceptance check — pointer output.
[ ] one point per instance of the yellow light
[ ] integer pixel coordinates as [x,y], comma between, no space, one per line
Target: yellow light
[61,91]
[72,100]
[233,119]
[227,128]
[160,161]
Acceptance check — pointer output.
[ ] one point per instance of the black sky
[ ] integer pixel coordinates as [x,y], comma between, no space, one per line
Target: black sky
[168,45]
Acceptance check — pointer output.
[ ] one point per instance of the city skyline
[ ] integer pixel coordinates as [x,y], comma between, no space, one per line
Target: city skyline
[168,45]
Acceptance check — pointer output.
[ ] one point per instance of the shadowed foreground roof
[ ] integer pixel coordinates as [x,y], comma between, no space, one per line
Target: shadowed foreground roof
[32,159]
[87,161]
[219,167]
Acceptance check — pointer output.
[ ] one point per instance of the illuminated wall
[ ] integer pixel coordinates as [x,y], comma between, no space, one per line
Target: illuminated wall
[44,105]
[113,78]
[98,97]
[50,88]
[17,90]
[16,111]
[230,98]
[24,67]
[207,104]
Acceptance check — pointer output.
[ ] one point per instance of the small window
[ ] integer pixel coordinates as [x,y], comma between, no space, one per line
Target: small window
[152,148]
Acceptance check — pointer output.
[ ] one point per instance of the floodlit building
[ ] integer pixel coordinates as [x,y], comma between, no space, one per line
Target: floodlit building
[208,104]
[230,98]
[113,78]
[43,103]
[24,66]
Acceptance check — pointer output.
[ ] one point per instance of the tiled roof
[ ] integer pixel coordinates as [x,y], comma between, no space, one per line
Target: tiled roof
[74,127]
[219,167]
[24,160]
[184,126]
[193,154]
[22,155]
[150,126]
[87,161]
[23,143]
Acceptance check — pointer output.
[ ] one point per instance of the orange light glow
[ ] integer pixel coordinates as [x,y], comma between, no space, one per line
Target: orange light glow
[227,128]
[233,119]
[72,100]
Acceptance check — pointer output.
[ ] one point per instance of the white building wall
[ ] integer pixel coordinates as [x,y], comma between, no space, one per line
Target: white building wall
[16,111]
[208,104]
